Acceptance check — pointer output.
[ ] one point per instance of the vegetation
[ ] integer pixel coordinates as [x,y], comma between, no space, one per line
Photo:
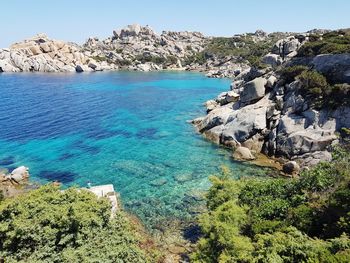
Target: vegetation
[316,88]
[335,42]
[100,58]
[49,225]
[169,60]
[279,220]
[243,47]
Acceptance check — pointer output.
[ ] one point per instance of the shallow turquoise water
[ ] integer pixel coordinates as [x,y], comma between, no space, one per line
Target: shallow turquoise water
[128,129]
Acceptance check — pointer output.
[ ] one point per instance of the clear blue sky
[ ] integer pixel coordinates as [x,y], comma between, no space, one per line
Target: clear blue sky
[76,20]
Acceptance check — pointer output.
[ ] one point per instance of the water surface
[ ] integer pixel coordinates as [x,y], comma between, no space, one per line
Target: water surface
[125,128]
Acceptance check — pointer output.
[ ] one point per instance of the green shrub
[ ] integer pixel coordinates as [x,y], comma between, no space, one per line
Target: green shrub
[49,225]
[99,58]
[335,42]
[313,83]
[279,220]
[288,74]
[316,88]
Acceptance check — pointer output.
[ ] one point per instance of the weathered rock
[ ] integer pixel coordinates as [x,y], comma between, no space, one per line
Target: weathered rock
[271,81]
[253,90]
[309,160]
[291,167]
[45,55]
[216,117]
[296,138]
[19,174]
[210,105]
[79,69]
[244,123]
[227,97]
[336,67]
[272,59]
[286,45]
[243,154]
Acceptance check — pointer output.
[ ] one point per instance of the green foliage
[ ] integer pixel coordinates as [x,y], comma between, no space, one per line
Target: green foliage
[316,88]
[313,82]
[288,74]
[279,220]
[49,225]
[100,58]
[124,62]
[335,42]
[242,47]
[200,58]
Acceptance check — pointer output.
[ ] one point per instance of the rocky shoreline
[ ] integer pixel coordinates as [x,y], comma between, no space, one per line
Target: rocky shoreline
[136,48]
[261,113]
[264,113]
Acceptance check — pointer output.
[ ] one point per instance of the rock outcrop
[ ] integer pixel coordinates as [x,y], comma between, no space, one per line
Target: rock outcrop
[46,55]
[273,117]
[14,183]
[139,48]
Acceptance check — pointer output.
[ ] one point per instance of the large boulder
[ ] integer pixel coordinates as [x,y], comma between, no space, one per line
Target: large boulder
[335,66]
[297,136]
[243,154]
[291,167]
[19,174]
[244,123]
[216,117]
[286,45]
[227,97]
[210,105]
[253,90]
[272,59]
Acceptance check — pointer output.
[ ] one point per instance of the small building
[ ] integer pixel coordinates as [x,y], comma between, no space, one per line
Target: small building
[108,192]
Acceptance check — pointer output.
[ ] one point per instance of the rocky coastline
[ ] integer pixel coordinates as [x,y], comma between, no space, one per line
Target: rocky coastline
[261,113]
[265,113]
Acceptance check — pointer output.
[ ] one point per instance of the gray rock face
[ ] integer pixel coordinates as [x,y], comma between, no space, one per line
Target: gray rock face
[227,97]
[253,90]
[296,137]
[291,167]
[45,55]
[280,123]
[336,67]
[272,59]
[243,154]
[19,174]
[288,45]
[135,46]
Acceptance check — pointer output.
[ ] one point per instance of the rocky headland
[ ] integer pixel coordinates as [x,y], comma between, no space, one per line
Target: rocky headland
[294,106]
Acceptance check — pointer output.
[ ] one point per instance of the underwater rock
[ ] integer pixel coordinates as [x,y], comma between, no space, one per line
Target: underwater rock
[183,177]
[159,182]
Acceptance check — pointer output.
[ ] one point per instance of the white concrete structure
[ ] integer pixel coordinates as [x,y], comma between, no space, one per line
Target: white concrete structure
[106,191]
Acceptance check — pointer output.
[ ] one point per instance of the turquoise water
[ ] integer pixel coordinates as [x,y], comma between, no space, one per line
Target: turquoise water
[128,129]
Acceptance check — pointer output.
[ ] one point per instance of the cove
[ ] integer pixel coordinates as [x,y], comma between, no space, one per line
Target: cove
[125,128]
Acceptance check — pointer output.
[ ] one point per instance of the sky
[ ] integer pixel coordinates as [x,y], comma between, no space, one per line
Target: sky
[76,20]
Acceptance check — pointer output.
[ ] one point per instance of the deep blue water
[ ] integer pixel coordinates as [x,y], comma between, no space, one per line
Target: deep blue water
[124,128]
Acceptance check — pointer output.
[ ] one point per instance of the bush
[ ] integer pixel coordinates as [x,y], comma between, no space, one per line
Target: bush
[313,83]
[316,88]
[49,225]
[99,58]
[288,74]
[279,220]
[335,42]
